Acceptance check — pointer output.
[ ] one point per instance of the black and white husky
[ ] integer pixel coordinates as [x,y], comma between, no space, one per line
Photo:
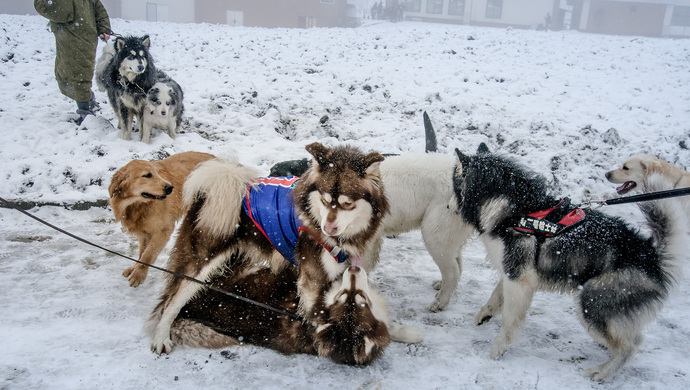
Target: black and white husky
[164,108]
[125,70]
[619,278]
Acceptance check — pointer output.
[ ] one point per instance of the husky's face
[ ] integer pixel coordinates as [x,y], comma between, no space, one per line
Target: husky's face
[160,100]
[354,331]
[344,190]
[133,53]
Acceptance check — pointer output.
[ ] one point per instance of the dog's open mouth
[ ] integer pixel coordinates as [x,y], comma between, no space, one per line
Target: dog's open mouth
[626,187]
[151,196]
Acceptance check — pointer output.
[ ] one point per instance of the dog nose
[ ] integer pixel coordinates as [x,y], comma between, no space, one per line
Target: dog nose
[331,228]
[163,113]
[141,68]
[354,269]
[168,189]
[608,175]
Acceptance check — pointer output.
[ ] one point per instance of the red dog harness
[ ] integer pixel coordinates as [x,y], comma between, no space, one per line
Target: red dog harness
[550,222]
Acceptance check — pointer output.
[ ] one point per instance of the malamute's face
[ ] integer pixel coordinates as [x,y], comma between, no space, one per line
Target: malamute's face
[340,214]
[135,62]
[160,100]
[353,332]
[134,56]
[344,193]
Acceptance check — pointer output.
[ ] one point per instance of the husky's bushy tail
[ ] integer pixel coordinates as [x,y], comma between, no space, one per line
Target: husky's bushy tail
[667,221]
[107,55]
[222,184]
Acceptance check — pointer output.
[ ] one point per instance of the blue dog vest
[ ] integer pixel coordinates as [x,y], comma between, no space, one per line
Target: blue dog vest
[270,206]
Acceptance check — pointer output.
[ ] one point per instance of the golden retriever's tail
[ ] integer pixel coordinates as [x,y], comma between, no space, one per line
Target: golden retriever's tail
[220,185]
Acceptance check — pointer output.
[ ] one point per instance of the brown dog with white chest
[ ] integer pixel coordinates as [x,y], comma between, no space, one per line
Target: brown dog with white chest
[146,198]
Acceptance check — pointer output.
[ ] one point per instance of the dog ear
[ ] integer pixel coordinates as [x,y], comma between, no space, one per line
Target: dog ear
[320,152]
[116,182]
[146,41]
[483,149]
[463,159]
[119,43]
[373,161]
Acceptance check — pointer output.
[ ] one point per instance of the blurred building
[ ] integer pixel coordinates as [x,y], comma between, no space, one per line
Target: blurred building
[251,13]
[655,18]
[660,18]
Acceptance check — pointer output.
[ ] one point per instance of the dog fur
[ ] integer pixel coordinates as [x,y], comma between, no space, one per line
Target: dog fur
[146,198]
[164,108]
[419,188]
[619,278]
[126,72]
[340,201]
[352,332]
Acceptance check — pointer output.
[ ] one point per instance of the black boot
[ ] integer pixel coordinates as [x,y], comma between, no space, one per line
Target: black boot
[83,109]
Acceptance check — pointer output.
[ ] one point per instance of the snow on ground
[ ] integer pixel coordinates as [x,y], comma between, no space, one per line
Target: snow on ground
[569,105]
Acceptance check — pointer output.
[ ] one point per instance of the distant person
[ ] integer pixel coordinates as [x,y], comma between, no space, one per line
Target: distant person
[374,11]
[547,21]
[77,25]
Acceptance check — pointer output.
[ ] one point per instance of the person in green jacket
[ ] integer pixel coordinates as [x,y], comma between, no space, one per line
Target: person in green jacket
[77,25]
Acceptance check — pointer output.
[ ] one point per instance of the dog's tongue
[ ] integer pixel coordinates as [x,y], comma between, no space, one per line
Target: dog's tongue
[356,261]
[625,187]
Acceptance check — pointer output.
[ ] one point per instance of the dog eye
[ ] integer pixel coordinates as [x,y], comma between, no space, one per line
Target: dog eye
[148,175]
[130,57]
[625,167]
[347,205]
[167,103]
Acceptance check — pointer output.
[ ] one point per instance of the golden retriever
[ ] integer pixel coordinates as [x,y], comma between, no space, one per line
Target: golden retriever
[146,198]
[635,171]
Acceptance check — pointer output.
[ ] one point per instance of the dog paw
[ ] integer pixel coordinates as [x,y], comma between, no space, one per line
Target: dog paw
[498,350]
[405,334]
[597,373]
[162,347]
[484,315]
[438,306]
[136,275]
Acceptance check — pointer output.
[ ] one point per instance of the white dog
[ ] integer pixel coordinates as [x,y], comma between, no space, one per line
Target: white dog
[419,188]
[635,172]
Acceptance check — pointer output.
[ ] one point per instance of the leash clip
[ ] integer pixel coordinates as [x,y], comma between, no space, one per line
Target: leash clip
[335,251]
[594,204]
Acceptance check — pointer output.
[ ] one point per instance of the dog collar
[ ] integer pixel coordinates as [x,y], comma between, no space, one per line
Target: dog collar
[336,252]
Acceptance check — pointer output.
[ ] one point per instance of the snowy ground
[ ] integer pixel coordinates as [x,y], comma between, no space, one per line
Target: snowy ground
[570,105]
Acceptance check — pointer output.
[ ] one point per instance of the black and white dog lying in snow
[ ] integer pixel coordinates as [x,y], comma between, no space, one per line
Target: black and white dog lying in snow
[125,70]
[620,278]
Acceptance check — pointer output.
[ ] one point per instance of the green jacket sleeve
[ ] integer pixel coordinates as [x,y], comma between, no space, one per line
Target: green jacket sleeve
[102,19]
[58,11]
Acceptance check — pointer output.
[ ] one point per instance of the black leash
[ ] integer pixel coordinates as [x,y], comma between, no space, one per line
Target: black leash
[642,197]
[188,278]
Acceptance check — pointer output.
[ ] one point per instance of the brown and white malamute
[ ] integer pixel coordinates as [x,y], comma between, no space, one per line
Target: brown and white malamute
[338,205]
